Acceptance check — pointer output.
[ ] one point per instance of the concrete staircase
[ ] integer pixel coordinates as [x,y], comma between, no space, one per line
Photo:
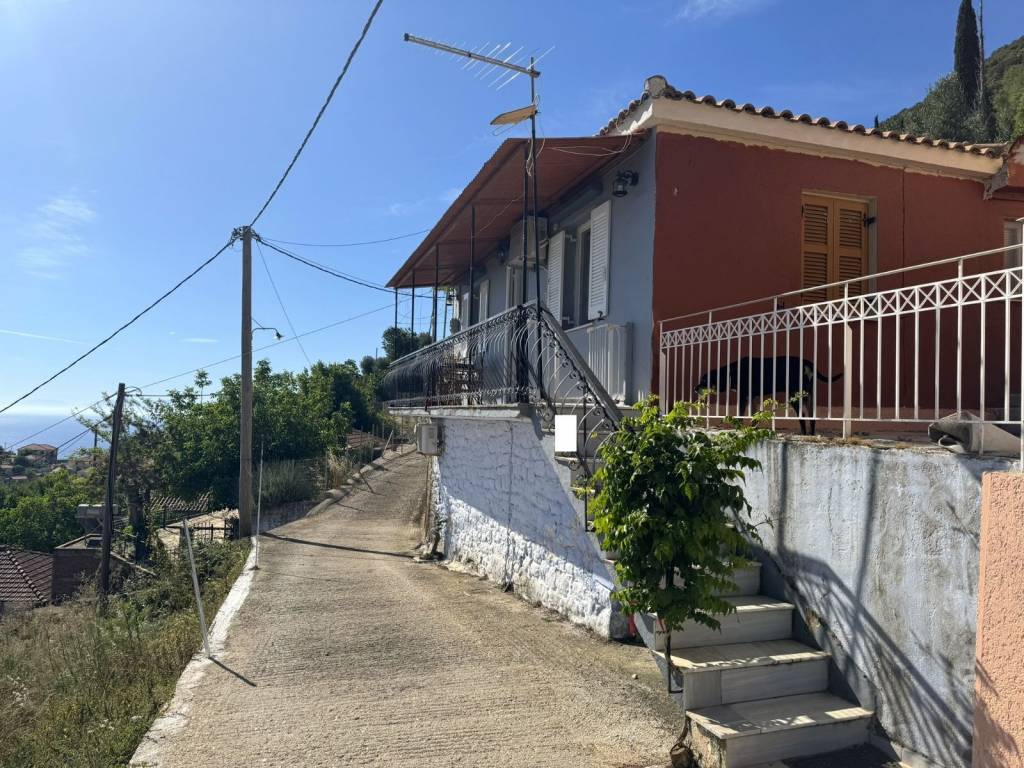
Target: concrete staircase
[751,693]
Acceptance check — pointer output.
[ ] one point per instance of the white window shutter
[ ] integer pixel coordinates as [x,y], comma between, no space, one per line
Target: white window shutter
[556,247]
[464,311]
[600,245]
[485,303]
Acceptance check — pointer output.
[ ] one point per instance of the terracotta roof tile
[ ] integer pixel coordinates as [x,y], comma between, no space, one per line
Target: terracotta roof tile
[25,577]
[669,92]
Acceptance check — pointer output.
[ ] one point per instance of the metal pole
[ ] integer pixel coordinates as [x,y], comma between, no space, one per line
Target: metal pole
[433,314]
[108,505]
[472,258]
[259,506]
[536,230]
[195,588]
[412,321]
[395,351]
[444,325]
[526,196]
[245,417]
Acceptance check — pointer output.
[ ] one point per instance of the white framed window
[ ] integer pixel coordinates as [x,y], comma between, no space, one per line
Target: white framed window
[1013,234]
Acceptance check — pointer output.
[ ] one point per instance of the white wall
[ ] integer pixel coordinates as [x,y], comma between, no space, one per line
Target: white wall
[509,516]
[879,550]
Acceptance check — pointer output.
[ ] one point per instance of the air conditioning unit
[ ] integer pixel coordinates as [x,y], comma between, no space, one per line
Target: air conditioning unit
[515,246]
[428,439]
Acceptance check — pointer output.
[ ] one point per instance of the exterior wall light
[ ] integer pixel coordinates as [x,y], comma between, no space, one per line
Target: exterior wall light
[623,181]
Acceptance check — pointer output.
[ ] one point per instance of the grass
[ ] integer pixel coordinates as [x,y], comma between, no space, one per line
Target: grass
[80,683]
[285,481]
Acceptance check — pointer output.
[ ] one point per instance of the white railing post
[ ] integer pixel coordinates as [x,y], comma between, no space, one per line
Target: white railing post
[663,376]
[707,409]
[847,365]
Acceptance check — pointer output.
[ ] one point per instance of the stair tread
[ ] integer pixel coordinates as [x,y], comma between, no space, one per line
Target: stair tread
[755,603]
[739,655]
[729,721]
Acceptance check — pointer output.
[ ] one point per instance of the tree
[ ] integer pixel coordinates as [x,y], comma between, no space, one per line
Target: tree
[670,501]
[44,517]
[967,54]
[399,342]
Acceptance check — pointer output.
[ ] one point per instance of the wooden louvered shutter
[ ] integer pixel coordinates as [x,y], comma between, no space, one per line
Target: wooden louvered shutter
[834,245]
[556,249]
[816,246]
[600,244]
[851,245]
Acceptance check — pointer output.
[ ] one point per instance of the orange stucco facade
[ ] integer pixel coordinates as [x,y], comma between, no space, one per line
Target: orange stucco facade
[999,668]
[728,222]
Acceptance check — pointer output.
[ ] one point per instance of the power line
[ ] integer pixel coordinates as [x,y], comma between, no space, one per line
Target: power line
[82,410]
[74,415]
[82,357]
[347,245]
[328,270]
[320,114]
[273,285]
[273,344]
[366,283]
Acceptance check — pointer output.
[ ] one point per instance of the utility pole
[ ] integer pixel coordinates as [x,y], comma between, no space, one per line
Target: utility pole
[245,417]
[108,505]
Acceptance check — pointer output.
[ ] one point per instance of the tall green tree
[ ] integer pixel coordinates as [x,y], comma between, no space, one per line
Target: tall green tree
[967,54]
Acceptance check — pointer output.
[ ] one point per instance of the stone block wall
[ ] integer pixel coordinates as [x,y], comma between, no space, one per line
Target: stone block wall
[509,515]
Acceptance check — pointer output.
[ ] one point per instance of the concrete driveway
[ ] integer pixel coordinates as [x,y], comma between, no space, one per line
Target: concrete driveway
[346,652]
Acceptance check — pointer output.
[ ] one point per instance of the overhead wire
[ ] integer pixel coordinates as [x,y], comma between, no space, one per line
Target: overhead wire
[287,317]
[328,270]
[96,346]
[74,414]
[320,114]
[346,245]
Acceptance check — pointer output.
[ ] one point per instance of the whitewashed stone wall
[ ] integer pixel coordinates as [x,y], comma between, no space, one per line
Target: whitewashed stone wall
[509,515]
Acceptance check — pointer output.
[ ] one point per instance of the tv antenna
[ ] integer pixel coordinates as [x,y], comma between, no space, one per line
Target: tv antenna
[510,69]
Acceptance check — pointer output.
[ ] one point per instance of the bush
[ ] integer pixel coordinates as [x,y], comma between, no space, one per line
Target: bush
[669,501]
[285,481]
[80,684]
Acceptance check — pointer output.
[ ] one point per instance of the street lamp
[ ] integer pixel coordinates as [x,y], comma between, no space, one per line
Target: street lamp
[277,333]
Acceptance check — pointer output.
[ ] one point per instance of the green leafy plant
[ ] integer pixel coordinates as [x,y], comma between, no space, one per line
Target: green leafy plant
[669,500]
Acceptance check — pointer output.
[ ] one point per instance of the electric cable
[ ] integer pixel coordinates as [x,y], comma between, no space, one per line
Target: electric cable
[346,245]
[92,349]
[288,318]
[320,114]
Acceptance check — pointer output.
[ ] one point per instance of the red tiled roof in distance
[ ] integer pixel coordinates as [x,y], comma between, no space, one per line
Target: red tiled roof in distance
[25,577]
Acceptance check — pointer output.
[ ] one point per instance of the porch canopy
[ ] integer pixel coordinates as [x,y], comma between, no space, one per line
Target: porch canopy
[496,194]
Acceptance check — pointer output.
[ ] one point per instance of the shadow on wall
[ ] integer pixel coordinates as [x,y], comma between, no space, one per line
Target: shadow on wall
[894,614]
[1001,745]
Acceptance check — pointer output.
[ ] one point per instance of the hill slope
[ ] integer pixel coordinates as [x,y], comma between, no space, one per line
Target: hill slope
[940,113]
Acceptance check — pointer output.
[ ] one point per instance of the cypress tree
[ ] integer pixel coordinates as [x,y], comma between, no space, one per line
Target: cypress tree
[967,54]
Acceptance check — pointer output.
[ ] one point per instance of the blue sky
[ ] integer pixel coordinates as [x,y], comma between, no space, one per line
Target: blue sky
[136,135]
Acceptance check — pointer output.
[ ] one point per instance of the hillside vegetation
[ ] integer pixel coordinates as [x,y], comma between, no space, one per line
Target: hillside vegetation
[942,114]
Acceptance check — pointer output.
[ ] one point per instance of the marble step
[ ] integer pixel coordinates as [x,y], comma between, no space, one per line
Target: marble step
[747,579]
[757,618]
[750,733]
[726,674]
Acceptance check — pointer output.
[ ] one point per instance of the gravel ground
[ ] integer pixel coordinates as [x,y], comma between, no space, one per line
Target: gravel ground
[346,652]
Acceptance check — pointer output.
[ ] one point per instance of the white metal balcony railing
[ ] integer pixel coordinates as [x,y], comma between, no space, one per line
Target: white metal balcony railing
[897,353]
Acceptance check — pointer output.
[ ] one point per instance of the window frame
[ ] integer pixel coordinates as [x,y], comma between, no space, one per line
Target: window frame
[1013,228]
